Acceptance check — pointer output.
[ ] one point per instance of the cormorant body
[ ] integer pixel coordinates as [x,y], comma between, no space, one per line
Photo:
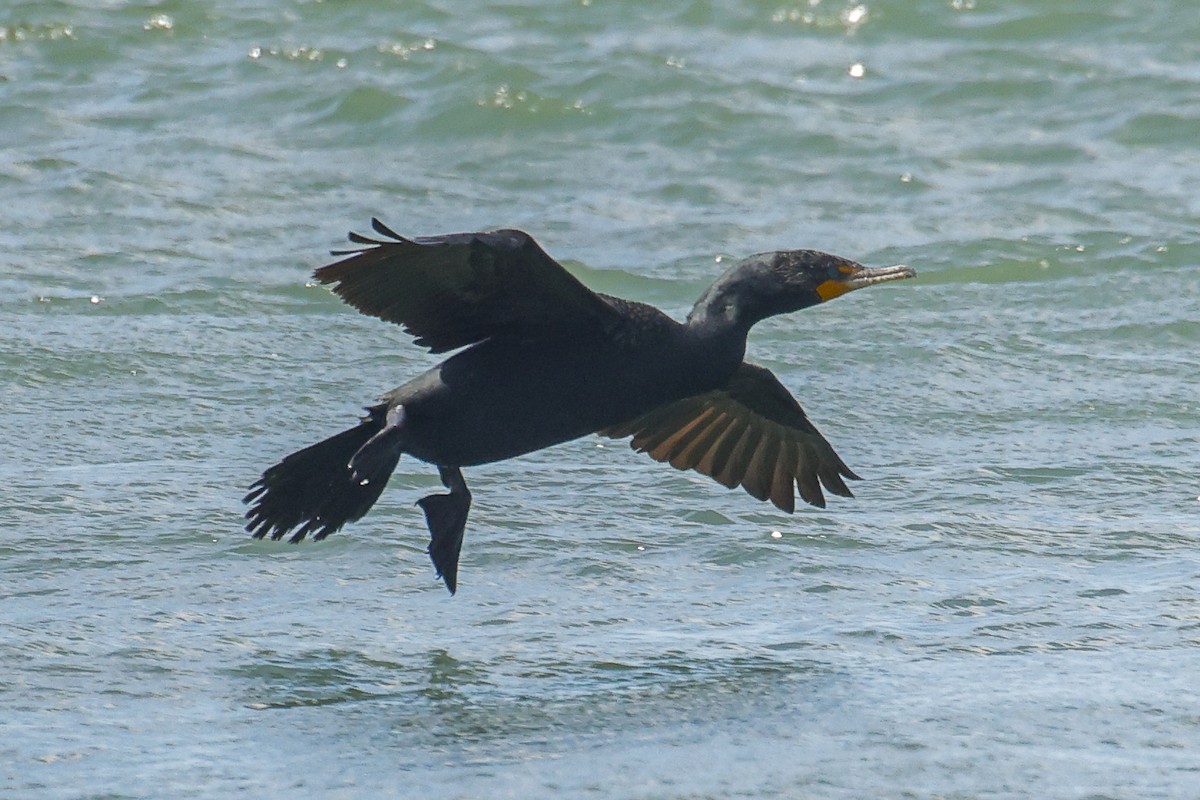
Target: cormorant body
[542,360]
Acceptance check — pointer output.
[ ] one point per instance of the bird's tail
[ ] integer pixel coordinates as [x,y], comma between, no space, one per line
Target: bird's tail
[316,490]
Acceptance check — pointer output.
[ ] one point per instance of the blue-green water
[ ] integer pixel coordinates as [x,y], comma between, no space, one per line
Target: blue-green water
[1009,608]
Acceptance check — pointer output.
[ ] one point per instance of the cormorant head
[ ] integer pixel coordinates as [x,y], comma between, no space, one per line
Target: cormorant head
[767,284]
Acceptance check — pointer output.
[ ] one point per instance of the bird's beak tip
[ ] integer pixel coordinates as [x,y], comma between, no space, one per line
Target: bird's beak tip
[869,276]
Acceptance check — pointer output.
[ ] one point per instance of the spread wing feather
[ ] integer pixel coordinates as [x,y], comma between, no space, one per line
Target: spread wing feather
[454,290]
[750,432]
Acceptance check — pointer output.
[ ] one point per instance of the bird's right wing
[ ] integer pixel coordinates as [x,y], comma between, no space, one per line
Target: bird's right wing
[750,432]
[454,290]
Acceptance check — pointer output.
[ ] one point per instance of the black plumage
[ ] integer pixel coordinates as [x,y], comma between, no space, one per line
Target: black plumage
[543,359]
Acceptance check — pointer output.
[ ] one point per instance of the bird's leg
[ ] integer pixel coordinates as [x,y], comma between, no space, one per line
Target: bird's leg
[446,516]
[381,449]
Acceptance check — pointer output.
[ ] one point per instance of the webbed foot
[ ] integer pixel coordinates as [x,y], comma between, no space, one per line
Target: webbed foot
[446,516]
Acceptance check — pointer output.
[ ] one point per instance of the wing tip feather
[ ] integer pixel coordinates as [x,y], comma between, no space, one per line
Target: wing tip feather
[383,230]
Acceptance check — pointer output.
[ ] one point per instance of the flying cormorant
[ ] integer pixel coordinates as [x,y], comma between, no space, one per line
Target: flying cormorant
[547,360]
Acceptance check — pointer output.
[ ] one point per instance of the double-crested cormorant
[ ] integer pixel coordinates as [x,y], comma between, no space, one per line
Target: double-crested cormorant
[548,360]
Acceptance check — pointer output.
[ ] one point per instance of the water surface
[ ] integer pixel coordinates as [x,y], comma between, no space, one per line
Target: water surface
[1007,609]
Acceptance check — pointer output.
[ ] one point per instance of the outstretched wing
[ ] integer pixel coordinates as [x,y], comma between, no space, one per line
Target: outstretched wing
[454,290]
[750,432]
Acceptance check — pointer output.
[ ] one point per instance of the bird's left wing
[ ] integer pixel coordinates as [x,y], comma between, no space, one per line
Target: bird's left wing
[750,432]
[454,290]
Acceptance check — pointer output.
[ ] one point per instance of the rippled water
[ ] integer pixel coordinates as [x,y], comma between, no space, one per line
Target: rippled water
[1009,608]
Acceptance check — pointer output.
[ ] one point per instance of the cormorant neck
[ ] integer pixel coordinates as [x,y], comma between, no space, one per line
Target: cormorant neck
[746,294]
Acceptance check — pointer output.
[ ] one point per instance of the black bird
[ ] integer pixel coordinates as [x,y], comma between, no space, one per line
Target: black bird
[548,360]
